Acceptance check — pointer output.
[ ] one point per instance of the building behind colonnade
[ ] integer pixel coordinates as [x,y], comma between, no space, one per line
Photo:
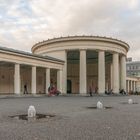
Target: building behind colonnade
[133,75]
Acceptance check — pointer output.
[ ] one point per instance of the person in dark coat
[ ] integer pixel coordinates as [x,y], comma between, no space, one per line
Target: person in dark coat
[25,89]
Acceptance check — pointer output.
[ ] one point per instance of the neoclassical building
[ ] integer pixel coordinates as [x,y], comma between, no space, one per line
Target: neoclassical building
[73,63]
[94,61]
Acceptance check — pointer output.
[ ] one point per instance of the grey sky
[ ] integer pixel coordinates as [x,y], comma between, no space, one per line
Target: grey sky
[25,22]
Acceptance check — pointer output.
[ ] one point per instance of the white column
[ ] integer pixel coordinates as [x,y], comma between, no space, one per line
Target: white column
[33,88]
[64,88]
[59,80]
[17,79]
[111,76]
[131,85]
[115,73]
[123,72]
[134,86]
[83,73]
[47,79]
[128,86]
[101,72]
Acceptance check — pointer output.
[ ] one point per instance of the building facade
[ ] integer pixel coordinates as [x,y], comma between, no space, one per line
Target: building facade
[133,68]
[18,69]
[133,72]
[75,64]
[90,61]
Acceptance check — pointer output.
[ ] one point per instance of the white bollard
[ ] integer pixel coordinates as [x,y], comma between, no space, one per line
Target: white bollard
[31,111]
[130,101]
[99,105]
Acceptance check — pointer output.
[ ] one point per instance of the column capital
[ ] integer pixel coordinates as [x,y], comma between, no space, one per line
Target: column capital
[17,63]
[115,53]
[59,70]
[82,49]
[101,51]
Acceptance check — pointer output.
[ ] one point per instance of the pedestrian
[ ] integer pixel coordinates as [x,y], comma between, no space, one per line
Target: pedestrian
[25,89]
[90,91]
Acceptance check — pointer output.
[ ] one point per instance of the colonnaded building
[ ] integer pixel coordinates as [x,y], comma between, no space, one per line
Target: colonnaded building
[73,64]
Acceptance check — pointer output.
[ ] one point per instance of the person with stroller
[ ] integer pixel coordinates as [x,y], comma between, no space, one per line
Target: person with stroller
[52,90]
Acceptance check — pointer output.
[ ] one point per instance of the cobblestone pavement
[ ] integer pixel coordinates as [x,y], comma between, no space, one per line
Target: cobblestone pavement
[74,119]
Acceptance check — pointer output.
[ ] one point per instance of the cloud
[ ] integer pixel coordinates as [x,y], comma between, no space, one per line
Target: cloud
[25,22]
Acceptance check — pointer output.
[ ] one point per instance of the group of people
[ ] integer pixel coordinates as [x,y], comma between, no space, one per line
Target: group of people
[52,90]
[110,92]
[122,91]
[93,90]
[107,92]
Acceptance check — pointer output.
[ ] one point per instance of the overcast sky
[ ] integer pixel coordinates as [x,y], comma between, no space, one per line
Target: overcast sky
[26,22]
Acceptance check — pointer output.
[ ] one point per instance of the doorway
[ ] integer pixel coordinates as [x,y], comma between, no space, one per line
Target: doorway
[69,86]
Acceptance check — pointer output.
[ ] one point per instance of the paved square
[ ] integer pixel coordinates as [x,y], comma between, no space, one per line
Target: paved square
[73,121]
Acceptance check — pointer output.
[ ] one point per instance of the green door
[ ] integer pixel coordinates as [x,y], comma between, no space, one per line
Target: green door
[68,86]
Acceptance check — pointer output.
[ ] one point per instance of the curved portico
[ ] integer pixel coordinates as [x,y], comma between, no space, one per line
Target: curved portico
[106,55]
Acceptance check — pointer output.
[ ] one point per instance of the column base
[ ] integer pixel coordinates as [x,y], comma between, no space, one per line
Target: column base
[83,94]
[100,93]
[17,94]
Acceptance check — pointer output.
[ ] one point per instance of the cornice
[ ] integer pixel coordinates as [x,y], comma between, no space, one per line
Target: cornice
[80,38]
[29,55]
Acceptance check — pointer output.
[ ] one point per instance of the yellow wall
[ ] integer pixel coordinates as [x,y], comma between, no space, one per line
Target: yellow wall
[6,80]
[92,76]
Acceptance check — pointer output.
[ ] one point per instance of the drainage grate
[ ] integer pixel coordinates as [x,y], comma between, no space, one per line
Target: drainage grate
[128,103]
[94,107]
[38,116]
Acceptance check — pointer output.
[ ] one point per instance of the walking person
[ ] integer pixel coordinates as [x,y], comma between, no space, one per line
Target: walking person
[90,90]
[25,89]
